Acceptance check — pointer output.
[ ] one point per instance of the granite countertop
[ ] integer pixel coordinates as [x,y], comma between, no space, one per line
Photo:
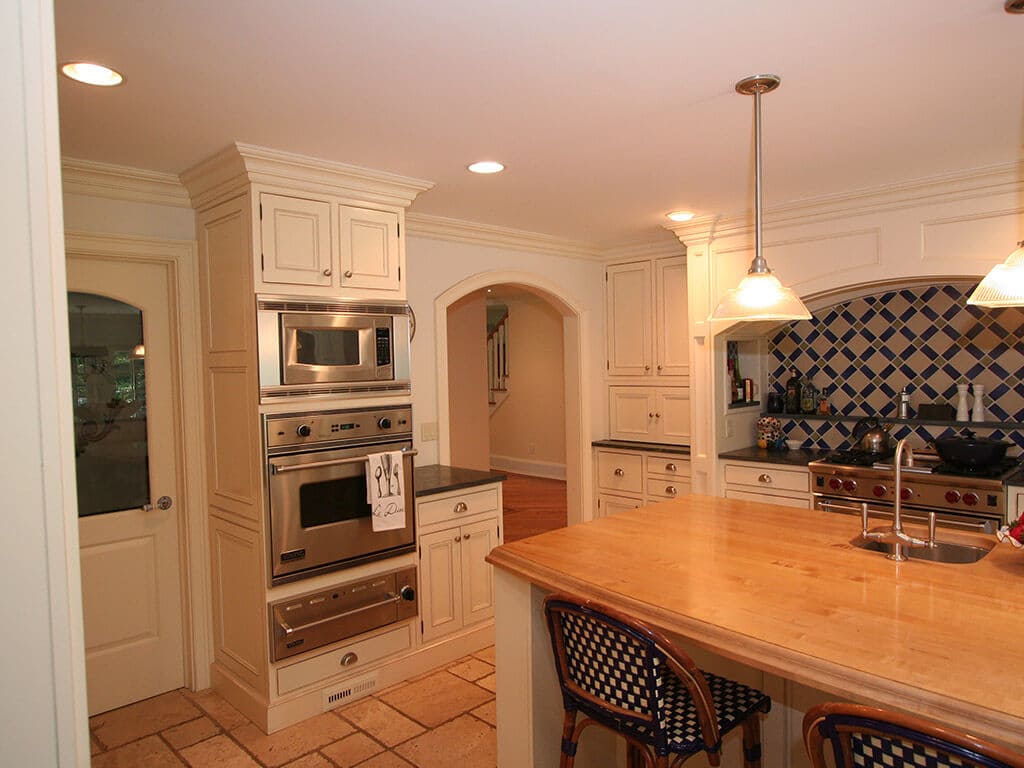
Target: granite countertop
[797,458]
[631,445]
[438,478]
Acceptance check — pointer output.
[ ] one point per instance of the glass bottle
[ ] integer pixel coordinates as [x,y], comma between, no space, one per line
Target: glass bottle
[793,392]
[824,409]
[808,397]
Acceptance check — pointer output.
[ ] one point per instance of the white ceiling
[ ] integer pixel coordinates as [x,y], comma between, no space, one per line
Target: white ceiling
[608,114]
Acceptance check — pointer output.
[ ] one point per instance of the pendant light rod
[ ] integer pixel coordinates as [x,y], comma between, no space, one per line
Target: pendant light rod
[755,85]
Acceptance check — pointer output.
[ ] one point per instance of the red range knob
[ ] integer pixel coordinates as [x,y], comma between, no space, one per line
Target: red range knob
[879,490]
[835,483]
[970,499]
[849,486]
[952,496]
[906,494]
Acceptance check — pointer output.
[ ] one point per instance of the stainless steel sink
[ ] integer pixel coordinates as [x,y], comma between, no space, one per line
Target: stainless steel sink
[940,552]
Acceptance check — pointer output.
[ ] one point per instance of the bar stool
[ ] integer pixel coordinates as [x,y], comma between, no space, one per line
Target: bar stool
[862,737]
[621,674]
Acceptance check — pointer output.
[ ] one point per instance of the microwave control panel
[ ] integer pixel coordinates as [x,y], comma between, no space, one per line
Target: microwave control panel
[290,429]
[383,346]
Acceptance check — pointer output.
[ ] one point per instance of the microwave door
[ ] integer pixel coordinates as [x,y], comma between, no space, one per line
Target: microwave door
[319,348]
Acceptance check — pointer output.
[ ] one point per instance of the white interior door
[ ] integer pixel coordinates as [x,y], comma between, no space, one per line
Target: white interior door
[123,384]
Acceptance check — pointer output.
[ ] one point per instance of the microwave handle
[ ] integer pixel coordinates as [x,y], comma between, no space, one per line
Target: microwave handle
[277,469]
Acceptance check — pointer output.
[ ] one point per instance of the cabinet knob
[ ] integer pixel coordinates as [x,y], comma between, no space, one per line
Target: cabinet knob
[327,272]
[670,467]
[647,367]
[671,490]
[620,472]
[650,415]
[657,415]
[458,539]
[765,478]
[349,659]
[659,368]
[465,536]
[461,507]
[348,273]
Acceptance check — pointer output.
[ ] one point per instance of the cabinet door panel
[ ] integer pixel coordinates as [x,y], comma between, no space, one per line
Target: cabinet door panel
[478,540]
[671,338]
[296,240]
[672,414]
[440,583]
[629,319]
[370,253]
[610,505]
[631,412]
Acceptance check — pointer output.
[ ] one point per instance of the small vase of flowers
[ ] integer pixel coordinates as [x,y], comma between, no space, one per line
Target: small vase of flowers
[1013,533]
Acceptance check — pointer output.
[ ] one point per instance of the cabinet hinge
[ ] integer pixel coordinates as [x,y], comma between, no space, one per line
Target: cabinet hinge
[421,551]
[499,533]
[261,211]
[263,263]
[422,630]
[399,228]
[399,274]
[607,365]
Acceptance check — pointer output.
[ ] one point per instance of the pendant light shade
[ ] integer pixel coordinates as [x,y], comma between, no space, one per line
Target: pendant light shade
[1003,286]
[760,295]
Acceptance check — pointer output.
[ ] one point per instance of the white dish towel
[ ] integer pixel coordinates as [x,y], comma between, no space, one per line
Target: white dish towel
[385,490]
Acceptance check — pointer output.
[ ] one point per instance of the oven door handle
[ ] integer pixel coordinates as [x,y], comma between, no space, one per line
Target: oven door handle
[277,469]
[914,516]
[288,629]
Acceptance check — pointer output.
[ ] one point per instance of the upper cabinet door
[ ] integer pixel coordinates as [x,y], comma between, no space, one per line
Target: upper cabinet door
[671,339]
[296,239]
[370,249]
[629,319]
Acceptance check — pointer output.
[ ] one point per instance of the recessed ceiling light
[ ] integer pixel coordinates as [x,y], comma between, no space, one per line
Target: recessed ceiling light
[486,166]
[92,74]
[680,215]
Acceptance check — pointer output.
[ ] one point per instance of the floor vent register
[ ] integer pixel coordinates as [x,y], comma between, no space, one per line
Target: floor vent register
[349,691]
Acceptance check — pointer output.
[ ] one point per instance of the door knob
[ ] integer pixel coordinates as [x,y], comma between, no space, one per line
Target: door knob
[327,272]
[348,273]
[620,472]
[164,502]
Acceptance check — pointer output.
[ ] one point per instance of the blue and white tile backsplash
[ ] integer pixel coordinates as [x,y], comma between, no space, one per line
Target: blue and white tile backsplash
[924,338]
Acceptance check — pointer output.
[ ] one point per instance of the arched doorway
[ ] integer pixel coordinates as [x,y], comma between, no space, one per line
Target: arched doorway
[576,389]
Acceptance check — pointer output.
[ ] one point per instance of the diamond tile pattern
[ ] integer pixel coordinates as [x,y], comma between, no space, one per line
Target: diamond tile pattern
[926,339]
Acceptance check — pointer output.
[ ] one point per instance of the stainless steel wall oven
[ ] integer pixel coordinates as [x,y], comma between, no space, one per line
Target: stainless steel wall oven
[316,465]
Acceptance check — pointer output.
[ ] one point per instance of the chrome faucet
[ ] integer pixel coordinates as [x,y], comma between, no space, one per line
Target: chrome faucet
[896,535]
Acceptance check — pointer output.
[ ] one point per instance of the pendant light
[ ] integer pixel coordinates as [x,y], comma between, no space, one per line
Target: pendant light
[1003,286]
[760,295]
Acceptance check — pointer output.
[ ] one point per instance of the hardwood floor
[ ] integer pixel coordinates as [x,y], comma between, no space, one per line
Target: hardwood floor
[532,505]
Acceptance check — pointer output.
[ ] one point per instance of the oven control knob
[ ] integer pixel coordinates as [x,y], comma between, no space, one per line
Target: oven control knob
[879,490]
[952,496]
[384,422]
[407,593]
[970,498]
[835,483]
[906,494]
[303,430]
[849,486]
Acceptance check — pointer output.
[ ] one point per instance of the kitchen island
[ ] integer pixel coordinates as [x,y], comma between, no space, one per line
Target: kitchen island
[781,591]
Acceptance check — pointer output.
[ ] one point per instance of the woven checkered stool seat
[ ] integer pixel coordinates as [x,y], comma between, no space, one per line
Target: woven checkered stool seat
[618,673]
[865,737]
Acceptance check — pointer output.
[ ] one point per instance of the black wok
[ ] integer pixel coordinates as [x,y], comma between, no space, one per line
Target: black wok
[968,450]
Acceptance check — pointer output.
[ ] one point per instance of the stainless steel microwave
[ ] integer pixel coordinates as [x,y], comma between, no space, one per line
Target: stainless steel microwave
[311,347]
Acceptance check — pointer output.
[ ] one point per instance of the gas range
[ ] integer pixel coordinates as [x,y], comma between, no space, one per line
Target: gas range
[973,499]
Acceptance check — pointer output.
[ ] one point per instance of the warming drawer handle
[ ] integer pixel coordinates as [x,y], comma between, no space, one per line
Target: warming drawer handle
[278,469]
[288,629]
[764,478]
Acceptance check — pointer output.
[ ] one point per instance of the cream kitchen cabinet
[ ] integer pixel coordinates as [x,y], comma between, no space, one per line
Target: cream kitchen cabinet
[772,483]
[647,320]
[627,479]
[649,414]
[324,244]
[458,530]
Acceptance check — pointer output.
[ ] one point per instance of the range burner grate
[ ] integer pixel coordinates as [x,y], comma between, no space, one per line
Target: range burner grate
[856,457]
[1004,468]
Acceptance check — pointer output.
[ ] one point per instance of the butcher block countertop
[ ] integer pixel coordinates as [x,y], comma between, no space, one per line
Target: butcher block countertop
[783,590]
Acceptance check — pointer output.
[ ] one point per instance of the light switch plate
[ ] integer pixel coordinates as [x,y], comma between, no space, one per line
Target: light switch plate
[428,431]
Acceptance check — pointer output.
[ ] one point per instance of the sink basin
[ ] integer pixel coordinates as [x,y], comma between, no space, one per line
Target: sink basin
[941,552]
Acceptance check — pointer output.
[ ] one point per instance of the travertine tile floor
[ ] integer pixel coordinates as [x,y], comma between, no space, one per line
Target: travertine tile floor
[443,718]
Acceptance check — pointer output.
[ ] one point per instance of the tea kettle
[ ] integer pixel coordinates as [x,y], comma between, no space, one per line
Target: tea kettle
[872,436]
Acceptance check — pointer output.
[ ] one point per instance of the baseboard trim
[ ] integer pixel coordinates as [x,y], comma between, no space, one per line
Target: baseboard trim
[531,467]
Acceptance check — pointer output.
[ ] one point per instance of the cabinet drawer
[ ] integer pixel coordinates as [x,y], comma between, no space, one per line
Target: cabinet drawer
[668,489]
[786,501]
[765,477]
[620,471]
[327,665]
[668,466]
[457,506]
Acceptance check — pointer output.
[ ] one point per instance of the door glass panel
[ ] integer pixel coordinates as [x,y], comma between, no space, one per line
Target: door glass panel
[333,501]
[327,346]
[108,389]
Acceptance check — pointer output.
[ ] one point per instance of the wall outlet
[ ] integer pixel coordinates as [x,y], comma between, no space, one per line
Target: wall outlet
[730,428]
[428,431]
[531,448]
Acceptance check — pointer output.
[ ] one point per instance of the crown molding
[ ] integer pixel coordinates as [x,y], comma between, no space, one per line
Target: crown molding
[643,249]
[1005,178]
[459,231]
[119,182]
[240,164]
